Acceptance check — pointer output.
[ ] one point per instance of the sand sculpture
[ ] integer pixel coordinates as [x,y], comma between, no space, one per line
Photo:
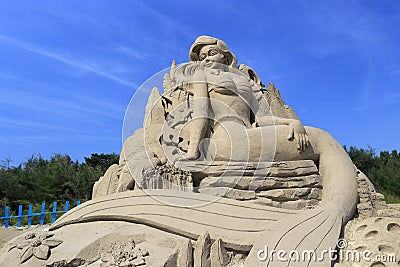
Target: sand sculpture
[222,172]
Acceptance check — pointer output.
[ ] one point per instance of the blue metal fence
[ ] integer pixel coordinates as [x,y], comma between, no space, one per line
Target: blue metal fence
[31,214]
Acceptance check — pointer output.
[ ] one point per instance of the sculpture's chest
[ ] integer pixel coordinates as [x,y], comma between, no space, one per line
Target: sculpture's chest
[227,83]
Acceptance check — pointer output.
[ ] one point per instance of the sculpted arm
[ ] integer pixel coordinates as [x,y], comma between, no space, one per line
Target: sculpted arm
[200,105]
[296,129]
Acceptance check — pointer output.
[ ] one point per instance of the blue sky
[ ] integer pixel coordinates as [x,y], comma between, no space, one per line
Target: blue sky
[69,68]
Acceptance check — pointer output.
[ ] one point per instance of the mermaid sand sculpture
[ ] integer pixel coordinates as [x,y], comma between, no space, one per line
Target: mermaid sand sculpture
[221,172]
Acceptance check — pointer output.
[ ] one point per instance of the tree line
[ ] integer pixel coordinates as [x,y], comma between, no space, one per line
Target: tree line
[60,178]
[56,179]
[383,170]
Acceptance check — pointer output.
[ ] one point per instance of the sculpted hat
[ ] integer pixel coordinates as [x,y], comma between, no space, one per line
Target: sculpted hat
[208,40]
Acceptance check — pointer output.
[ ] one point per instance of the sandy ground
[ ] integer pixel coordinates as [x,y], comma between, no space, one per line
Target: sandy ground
[6,234]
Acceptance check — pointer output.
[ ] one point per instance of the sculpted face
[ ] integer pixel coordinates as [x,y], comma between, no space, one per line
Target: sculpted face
[212,53]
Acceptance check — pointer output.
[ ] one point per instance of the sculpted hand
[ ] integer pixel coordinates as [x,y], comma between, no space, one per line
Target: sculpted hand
[299,134]
[157,158]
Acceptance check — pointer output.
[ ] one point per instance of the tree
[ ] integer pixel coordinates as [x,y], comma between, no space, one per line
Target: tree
[60,178]
[383,171]
[102,161]
[56,179]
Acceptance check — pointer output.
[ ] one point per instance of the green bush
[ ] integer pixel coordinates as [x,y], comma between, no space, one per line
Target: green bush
[382,170]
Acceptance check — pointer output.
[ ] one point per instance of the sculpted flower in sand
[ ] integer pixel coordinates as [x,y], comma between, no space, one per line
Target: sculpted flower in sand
[38,246]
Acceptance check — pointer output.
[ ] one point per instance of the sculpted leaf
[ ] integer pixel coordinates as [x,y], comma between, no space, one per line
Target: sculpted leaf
[23,244]
[41,252]
[11,247]
[52,242]
[26,254]
[45,236]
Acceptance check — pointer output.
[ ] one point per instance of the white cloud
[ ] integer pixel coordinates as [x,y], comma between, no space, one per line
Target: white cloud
[63,59]
[131,52]
[54,105]
[29,124]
